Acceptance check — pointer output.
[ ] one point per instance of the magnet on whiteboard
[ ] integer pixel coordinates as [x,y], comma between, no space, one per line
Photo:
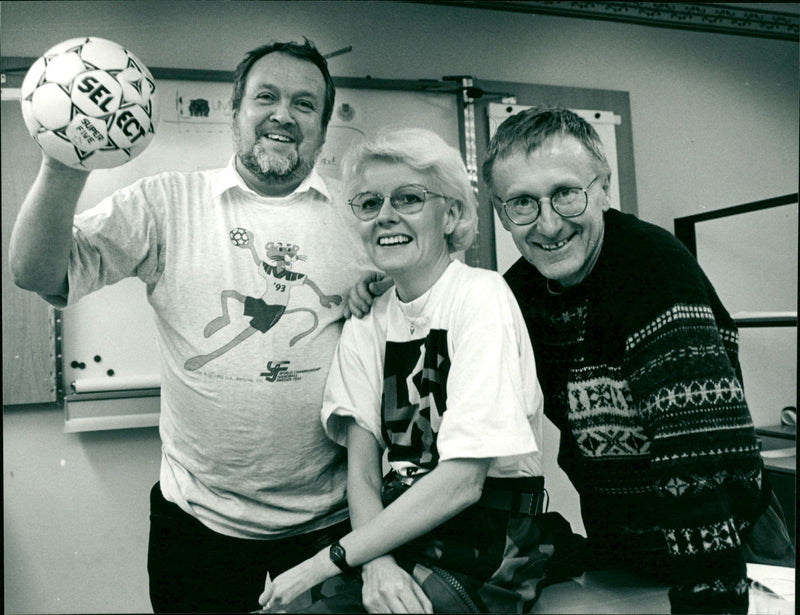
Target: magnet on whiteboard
[346,112]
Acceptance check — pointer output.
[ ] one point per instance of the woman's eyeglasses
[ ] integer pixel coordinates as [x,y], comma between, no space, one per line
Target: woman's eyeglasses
[405,200]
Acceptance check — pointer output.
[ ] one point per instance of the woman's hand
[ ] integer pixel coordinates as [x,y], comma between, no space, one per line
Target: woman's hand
[289,585]
[359,301]
[390,589]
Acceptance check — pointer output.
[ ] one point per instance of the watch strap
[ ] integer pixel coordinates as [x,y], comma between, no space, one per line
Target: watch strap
[339,557]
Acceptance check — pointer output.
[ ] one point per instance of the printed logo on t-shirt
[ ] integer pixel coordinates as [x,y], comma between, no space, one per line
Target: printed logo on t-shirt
[415,398]
[278,371]
[268,309]
[275,369]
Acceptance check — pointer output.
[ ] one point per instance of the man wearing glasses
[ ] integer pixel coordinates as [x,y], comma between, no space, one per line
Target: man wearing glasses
[638,362]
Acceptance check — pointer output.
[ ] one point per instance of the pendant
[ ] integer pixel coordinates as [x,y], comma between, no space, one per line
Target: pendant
[411,329]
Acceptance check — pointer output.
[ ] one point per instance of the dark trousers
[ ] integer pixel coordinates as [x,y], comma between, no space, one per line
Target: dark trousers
[194,569]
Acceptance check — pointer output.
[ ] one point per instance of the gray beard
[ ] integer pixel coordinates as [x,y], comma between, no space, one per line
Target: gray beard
[271,168]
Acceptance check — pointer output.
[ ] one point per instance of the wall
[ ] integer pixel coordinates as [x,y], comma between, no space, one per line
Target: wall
[715,116]
[715,123]
[75,515]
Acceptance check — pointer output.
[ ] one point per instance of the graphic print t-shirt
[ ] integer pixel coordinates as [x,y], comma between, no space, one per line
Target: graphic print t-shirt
[243,449]
[462,385]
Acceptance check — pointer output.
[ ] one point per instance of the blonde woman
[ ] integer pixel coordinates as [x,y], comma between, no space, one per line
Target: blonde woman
[441,375]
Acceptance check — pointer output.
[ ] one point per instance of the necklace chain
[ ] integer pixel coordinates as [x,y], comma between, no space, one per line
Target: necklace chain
[412,322]
[550,289]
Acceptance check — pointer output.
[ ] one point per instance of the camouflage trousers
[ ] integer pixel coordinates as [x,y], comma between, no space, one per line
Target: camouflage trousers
[495,556]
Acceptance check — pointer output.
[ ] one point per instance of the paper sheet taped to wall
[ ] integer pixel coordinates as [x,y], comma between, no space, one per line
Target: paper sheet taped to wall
[94,385]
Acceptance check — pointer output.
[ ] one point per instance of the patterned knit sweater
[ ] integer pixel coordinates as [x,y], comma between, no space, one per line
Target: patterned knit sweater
[639,369]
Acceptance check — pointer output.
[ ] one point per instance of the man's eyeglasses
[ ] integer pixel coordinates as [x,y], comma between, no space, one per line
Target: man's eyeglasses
[566,202]
[405,199]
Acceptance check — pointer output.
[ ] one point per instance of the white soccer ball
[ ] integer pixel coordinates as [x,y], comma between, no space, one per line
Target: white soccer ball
[90,103]
[239,237]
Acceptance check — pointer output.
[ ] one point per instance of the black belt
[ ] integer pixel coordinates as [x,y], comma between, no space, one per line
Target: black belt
[515,495]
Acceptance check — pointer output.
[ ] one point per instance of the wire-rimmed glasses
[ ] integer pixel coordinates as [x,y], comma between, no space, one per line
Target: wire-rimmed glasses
[405,200]
[566,202]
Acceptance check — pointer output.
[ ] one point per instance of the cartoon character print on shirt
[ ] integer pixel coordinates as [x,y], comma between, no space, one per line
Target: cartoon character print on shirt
[415,399]
[265,311]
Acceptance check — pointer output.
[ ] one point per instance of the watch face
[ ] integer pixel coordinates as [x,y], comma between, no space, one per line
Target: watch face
[337,554]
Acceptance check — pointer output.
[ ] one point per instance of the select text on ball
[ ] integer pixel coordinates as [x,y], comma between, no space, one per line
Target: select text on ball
[98,93]
[129,125]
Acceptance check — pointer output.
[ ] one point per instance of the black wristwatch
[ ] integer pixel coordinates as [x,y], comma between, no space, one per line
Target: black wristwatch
[338,557]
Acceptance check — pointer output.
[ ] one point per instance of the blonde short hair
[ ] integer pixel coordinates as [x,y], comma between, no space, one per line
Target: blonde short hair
[426,152]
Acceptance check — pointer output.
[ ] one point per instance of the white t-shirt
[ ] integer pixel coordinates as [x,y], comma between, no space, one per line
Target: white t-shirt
[243,448]
[462,385]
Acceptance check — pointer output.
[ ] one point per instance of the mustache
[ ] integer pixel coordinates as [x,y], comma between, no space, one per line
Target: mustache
[291,132]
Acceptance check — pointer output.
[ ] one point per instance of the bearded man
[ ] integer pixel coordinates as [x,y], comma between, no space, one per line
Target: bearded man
[249,484]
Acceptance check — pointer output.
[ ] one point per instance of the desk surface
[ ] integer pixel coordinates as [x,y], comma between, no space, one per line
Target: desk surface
[779,448]
[604,591]
[785,462]
[614,591]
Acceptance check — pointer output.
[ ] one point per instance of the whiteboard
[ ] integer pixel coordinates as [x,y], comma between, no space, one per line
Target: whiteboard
[604,122]
[113,330]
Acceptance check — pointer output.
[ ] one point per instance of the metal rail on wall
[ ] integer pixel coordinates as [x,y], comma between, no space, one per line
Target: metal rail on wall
[469,93]
[470,154]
